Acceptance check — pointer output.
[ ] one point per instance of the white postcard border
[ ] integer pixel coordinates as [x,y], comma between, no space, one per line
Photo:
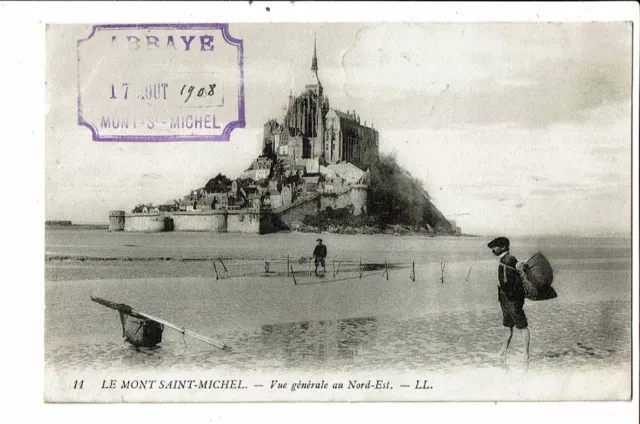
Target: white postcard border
[24,23]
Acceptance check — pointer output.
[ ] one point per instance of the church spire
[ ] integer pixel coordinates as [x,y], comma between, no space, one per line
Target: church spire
[314,61]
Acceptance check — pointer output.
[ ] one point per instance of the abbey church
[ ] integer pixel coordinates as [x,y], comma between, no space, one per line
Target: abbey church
[313,134]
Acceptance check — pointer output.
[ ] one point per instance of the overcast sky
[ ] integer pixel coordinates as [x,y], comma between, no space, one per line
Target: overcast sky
[513,128]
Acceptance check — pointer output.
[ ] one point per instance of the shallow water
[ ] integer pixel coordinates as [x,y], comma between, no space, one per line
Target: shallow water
[340,323]
[442,342]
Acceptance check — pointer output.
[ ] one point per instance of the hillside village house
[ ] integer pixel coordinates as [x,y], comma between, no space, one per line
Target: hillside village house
[282,198]
[259,170]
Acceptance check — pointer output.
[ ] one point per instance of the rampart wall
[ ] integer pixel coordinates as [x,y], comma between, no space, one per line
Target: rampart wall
[200,221]
[356,196]
[144,222]
[219,221]
[240,221]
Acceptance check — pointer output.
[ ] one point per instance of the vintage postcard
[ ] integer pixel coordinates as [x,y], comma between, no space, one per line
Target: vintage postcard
[352,211]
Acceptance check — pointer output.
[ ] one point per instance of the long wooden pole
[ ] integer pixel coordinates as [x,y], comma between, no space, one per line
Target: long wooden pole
[185,331]
[295,283]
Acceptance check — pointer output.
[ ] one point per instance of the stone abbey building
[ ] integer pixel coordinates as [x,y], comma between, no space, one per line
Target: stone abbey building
[311,132]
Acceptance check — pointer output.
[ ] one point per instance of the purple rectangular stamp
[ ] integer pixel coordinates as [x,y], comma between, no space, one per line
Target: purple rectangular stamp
[161,82]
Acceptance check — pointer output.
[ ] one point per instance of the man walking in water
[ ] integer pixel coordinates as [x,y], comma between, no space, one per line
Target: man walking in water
[319,253]
[511,297]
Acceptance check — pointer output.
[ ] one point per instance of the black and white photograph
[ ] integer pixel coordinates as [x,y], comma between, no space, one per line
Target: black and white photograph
[436,211]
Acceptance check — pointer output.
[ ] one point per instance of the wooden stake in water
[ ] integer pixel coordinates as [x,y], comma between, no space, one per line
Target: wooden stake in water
[468,274]
[360,268]
[224,267]
[287,265]
[266,267]
[386,270]
[309,264]
[215,269]
[333,267]
[413,271]
[295,283]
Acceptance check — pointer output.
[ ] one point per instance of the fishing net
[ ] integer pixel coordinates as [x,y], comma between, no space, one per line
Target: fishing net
[537,278]
[152,333]
[141,332]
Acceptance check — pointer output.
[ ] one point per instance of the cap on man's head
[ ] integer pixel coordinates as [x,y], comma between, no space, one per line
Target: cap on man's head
[500,241]
[319,240]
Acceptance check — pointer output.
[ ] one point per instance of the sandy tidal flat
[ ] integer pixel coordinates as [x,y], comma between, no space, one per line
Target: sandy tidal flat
[341,324]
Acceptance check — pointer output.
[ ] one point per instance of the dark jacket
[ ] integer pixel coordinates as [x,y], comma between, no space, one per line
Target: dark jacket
[320,251]
[509,280]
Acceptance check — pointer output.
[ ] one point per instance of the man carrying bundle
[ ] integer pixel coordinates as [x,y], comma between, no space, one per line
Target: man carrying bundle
[511,295]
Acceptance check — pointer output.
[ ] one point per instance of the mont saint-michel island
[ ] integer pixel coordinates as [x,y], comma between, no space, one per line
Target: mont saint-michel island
[320,170]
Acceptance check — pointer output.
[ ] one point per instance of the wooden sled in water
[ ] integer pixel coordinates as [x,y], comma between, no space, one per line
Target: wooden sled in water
[144,330]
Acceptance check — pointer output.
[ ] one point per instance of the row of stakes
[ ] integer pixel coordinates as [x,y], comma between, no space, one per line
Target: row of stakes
[336,271]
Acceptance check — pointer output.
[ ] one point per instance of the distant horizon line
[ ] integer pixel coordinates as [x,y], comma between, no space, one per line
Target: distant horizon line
[576,235]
